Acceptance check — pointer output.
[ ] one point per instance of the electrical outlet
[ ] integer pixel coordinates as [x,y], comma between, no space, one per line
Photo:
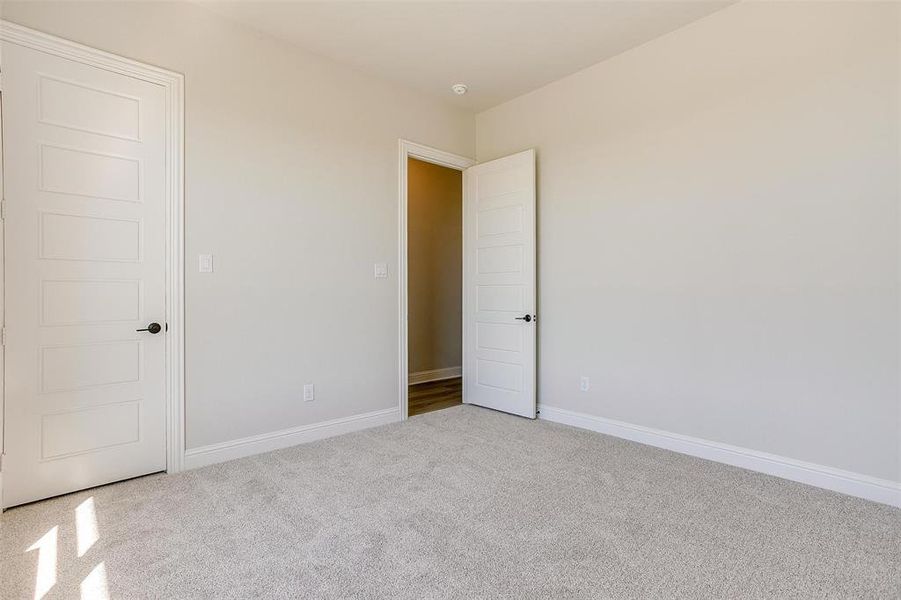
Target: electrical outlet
[309,392]
[584,383]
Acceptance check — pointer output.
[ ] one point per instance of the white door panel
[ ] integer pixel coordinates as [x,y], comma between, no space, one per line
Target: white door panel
[84,166]
[499,284]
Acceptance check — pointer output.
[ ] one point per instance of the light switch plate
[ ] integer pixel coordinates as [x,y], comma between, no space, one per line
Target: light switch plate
[309,392]
[206,263]
[381,270]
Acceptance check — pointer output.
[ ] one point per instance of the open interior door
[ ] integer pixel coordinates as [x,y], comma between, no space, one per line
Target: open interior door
[499,284]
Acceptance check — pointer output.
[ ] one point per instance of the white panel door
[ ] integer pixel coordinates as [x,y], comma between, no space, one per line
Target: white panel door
[84,165]
[499,284]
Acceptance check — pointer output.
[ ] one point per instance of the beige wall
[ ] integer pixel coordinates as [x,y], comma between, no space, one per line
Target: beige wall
[719,231]
[718,224]
[291,182]
[435,266]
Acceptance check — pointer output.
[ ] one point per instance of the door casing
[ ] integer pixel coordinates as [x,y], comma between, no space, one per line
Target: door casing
[173,84]
[408,149]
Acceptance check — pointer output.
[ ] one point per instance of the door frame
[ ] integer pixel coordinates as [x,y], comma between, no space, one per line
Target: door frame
[407,150]
[173,84]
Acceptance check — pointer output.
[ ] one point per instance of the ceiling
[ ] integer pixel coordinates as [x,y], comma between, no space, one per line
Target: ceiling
[500,49]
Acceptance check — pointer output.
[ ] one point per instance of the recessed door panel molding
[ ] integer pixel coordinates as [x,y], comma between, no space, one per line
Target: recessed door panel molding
[499,375]
[83,172]
[499,336]
[499,320]
[89,429]
[89,301]
[81,237]
[510,199]
[500,220]
[504,298]
[503,181]
[90,109]
[500,259]
[88,184]
[82,366]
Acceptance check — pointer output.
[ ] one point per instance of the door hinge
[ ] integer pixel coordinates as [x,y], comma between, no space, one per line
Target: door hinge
[3,337]
[3,209]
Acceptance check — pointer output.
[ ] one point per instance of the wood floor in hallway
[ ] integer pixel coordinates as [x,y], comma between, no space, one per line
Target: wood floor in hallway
[435,395]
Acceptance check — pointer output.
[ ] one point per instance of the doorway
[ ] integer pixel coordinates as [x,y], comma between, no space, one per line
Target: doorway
[499,280]
[430,278]
[434,286]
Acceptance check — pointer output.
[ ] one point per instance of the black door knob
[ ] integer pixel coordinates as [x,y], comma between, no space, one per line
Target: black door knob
[527,318]
[152,328]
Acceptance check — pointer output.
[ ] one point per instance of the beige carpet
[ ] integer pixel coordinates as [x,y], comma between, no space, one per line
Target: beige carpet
[460,503]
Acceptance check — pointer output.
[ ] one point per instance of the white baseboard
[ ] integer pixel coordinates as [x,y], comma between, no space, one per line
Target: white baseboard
[436,375]
[266,442]
[837,480]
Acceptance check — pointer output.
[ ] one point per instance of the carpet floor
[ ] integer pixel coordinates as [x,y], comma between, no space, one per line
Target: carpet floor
[459,503]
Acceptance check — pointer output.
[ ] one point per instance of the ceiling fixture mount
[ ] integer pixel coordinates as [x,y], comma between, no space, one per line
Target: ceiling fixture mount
[459,88]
